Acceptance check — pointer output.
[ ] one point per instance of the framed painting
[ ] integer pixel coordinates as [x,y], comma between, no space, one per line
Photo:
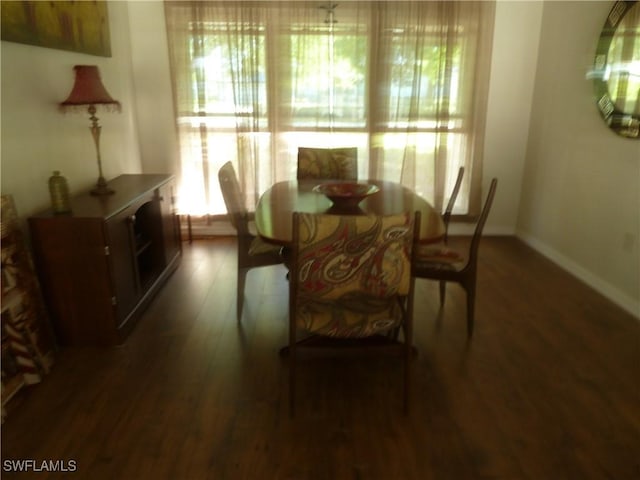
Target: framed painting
[63,25]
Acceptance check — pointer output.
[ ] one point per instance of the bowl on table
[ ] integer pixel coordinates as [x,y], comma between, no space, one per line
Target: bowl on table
[346,194]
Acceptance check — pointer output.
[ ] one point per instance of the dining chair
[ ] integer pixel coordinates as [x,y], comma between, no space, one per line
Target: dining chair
[350,286]
[446,215]
[444,264]
[252,251]
[446,218]
[328,163]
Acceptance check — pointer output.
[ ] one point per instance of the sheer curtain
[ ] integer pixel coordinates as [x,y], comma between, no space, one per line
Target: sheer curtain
[405,82]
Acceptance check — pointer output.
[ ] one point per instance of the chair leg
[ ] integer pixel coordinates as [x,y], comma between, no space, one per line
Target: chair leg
[471,302]
[242,277]
[292,378]
[408,351]
[443,291]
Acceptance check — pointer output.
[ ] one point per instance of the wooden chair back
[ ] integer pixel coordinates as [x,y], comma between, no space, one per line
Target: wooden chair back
[477,234]
[233,198]
[446,215]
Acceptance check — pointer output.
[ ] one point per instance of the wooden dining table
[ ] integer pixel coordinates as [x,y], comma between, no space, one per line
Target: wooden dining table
[273,214]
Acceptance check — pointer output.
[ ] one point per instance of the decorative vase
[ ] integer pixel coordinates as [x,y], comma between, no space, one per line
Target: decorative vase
[59,191]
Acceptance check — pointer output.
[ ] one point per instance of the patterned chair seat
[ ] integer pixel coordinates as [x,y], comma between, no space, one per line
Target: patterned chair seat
[438,257]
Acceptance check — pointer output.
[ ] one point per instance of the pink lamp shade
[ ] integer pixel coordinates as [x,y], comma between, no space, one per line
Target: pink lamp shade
[88,90]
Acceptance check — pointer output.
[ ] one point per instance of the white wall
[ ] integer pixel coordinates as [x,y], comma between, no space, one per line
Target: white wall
[580,201]
[152,78]
[37,139]
[513,69]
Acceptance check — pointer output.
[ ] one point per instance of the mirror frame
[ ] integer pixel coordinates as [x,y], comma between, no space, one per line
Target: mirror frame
[623,123]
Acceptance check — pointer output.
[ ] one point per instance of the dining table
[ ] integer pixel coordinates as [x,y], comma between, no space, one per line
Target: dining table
[273,213]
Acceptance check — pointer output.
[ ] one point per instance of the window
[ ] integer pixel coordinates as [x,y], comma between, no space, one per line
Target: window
[405,82]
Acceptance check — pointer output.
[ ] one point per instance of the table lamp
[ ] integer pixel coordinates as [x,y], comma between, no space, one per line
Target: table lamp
[88,91]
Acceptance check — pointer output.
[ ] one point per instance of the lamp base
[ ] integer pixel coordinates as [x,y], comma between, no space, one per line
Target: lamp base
[102,188]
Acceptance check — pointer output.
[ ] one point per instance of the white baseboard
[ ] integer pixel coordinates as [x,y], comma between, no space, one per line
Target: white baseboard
[605,288]
[467,229]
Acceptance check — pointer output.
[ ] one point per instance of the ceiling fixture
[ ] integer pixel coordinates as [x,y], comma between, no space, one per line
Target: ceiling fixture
[330,9]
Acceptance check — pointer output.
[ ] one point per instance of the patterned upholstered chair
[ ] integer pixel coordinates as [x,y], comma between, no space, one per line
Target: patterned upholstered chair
[441,263]
[350,285]
[328,163]
[252,252]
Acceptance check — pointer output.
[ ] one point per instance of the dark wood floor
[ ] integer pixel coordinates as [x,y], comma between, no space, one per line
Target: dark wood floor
[548,389]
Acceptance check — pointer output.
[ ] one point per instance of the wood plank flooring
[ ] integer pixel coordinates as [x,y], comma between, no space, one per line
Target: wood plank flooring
[547,389]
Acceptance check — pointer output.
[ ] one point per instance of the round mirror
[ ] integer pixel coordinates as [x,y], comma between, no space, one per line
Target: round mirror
[617,69]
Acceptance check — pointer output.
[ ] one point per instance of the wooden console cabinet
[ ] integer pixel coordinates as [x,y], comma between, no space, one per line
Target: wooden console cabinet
[100,265]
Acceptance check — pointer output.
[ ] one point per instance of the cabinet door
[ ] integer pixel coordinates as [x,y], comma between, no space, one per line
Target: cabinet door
[74,268]
[170,226]
[122,256]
